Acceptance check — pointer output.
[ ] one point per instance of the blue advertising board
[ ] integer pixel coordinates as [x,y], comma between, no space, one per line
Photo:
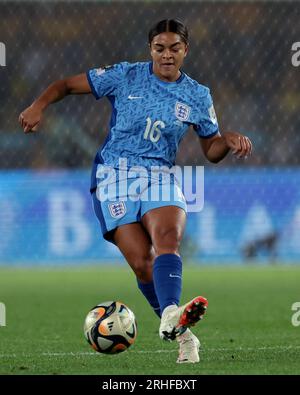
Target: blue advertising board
[46,217]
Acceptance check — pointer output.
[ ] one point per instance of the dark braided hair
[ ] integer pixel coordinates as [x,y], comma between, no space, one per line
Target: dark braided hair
[169,25]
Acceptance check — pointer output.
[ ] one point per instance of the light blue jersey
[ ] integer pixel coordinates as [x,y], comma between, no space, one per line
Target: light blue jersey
[149,116]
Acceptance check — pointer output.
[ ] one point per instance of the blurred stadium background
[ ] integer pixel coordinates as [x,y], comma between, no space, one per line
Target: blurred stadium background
[241,50]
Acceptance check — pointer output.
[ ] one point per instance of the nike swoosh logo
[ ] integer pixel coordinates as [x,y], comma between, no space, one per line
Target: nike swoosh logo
[174,275]
[132,334]
[134,97]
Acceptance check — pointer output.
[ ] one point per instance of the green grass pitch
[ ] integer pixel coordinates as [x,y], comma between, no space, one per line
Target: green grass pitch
[247,328]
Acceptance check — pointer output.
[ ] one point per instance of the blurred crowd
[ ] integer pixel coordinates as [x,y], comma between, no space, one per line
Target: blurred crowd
[241,50]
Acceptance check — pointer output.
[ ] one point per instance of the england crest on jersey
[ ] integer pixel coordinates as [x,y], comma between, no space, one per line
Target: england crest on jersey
[182,111]
[117,209]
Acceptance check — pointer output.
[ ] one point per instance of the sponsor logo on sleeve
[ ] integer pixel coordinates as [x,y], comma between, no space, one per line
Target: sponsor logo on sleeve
[103,69]
[100,71]
[212,114]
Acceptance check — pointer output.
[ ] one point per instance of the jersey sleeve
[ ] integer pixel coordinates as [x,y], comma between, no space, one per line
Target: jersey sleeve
[207,124]
[104,80]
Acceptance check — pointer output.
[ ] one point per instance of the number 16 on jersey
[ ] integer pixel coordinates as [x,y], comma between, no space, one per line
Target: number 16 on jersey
[153,130]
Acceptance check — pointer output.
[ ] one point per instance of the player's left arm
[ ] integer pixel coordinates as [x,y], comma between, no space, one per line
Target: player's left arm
[218,146]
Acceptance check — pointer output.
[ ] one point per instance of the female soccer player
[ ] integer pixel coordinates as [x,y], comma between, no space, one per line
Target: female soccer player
[153,104]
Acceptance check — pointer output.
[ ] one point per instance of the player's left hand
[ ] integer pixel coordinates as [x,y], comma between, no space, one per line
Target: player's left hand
[239,144]
[30,118]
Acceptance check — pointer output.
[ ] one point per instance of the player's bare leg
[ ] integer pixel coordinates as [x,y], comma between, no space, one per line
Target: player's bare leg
[135,244]
[165,226]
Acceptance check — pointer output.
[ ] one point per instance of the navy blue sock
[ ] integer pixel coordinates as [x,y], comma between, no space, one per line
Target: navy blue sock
[167,272]
[149,293]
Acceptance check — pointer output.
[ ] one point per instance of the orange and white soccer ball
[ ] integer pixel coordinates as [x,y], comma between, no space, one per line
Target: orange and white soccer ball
[110,327]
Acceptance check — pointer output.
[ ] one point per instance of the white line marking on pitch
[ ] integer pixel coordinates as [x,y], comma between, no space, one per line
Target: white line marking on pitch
[78,354]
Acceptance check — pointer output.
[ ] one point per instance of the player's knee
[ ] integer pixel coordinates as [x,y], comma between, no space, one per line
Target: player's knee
[142,266]
[167,240]
[144,273]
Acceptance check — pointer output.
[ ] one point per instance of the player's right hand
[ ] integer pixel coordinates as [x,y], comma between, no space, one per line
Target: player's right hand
[30,118]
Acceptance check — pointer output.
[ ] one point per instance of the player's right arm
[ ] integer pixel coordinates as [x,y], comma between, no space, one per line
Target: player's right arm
[31,116]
